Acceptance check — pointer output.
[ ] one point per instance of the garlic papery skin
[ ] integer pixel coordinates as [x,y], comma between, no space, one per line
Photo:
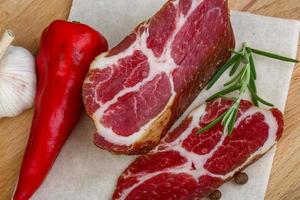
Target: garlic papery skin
[17,78]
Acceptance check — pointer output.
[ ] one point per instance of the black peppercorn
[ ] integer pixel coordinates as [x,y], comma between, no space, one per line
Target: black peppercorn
[241,178]
[216,195]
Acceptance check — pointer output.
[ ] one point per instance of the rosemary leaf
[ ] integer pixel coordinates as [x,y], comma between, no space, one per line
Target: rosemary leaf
[252,65]
[253,87]
[223,92]
[227,116]
[252,84]
[272,55]
[230,62]
[236,65]
[236,78]
[211,124]
[255,102]
[226,122]
[232,122]
[259,98]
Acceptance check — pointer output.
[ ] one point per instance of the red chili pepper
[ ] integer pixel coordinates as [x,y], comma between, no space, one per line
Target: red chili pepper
[66,51]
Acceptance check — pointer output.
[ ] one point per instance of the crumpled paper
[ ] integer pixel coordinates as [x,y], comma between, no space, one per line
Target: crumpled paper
[83,171]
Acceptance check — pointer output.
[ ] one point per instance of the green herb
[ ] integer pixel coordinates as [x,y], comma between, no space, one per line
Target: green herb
[272,55]
[243,80]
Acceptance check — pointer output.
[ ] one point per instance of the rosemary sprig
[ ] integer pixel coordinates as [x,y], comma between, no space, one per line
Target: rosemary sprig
[243,80]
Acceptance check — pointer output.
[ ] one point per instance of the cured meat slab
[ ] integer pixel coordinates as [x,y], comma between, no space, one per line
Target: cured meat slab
[186,165]
[136,91]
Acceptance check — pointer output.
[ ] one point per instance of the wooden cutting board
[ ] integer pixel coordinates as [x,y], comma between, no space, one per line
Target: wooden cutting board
[27,18]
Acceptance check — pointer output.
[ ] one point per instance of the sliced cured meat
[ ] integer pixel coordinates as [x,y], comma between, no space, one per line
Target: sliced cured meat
[186,166]
[138,89]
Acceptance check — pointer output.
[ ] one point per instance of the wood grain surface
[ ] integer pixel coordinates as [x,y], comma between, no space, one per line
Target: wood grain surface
[27,18]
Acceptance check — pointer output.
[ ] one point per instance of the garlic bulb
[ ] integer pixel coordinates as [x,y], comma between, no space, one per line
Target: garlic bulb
[17,78]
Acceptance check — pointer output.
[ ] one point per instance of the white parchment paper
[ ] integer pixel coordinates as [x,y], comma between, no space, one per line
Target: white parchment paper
[84,172]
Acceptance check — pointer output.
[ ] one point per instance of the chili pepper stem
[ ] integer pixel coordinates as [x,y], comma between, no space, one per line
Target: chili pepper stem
[5,41]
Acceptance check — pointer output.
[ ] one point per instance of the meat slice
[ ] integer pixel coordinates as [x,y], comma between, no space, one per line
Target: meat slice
[185,166]
[138,89]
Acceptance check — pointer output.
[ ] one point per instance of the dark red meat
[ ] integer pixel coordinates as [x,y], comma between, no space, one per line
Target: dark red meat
[185,166]
[137,90]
